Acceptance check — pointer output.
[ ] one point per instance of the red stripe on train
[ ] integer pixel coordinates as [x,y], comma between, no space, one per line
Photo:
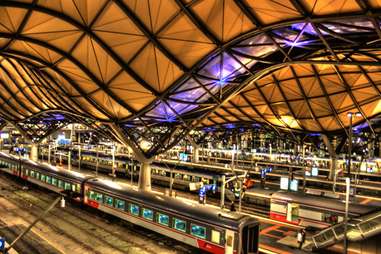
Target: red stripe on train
[210,247]
[282,218]
[93,204]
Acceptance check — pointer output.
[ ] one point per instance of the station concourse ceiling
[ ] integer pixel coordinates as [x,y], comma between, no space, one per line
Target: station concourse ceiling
[149,72]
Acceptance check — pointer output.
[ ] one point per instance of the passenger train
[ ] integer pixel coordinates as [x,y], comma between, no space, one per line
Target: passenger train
[312,210]
[206,228]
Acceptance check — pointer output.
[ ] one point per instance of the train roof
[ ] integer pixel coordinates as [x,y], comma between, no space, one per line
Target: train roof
[323,202]
[206,214]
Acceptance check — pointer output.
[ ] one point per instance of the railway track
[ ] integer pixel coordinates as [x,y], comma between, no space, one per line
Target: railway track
[85,231]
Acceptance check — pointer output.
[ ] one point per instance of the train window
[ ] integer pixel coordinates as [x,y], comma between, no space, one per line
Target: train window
[99,197]
[78,186]
[147,214]
[134,209]
[32,173]
[216,236]
[109,200]
[229,240]
[92,195]
[60,184]
[179,224]
[43,178]
[73,187]
[196,179]
[177,176]
[198,231]
[120,204]
[186,178]
[54,181]
[49,179]
[67,186]
[163,219]
[26,172]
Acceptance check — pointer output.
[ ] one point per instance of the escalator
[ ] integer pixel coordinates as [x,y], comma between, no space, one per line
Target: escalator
[357,230]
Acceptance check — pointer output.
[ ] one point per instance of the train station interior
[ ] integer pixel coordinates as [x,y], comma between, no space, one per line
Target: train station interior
[190,126]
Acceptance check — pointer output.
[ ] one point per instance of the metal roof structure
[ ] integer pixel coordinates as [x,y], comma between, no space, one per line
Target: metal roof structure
[149,72]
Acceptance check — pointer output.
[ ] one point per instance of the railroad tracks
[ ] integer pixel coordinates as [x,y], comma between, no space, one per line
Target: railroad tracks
[75,230]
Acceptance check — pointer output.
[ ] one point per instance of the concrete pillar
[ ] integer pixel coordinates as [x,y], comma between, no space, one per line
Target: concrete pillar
[195,155]
[145,177]
[371,146]
[331,146]
[34,152]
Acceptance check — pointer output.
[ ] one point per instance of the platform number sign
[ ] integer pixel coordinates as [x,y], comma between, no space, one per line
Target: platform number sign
[2,244]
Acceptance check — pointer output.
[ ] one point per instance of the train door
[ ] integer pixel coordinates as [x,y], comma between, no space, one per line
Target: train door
[292,212]
[229,242]
[249,239]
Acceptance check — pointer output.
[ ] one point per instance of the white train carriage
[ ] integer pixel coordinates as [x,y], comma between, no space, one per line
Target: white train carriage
[207,228]
[311,210]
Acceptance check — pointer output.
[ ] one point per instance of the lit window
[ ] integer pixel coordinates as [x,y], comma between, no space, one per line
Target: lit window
[43,178]
[99,197]
[163,219]
[49,179]
[54,181]
[67,186]
[60,184]
[179,225]
[134,209]
[37,175]
[198,231]
[92,195]
[32,174]
[147,214]
[120,204]
[109,200]
[216,236]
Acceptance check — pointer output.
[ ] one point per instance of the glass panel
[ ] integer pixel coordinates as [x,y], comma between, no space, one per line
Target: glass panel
[99,197]
[163,219]
[216,236]
[37,175]
[147,214]
[198,231]
[78,188]
[49,179]
[73,187]
[32,173]
[134,209]
[60,184]
[179,224]
[120,204]
[92,195]
[109,200]
[67,186]
[54,181]
[43,178]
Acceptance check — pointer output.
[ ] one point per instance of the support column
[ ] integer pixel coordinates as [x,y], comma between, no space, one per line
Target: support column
[331,146]
[34,152]
[195,155]
[145,177]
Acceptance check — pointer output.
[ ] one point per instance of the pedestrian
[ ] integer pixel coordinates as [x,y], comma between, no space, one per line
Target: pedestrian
[232,207]
[301,237]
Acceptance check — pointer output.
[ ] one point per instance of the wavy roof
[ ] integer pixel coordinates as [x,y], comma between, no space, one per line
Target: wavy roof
[151,71]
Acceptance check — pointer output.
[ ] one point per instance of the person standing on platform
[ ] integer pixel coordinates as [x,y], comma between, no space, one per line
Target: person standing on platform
[301,237]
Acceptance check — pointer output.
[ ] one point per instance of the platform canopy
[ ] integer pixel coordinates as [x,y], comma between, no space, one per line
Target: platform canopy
[152,71]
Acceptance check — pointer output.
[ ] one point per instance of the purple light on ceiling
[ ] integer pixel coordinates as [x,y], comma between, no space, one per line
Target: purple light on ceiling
[296,43]
[229,126]
[166,113]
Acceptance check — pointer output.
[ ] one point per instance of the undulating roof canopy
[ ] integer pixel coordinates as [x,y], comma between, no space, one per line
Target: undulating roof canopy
[151,71]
